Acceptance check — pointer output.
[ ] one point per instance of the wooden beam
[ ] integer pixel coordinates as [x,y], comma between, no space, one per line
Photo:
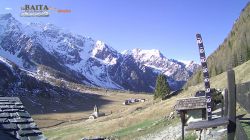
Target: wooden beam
[207,124]
[243,95]
[204,114]
[183,121]
[231,128]
[240,132]
[225,102]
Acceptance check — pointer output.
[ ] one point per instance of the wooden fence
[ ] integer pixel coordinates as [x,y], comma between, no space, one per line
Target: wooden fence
[240,132]
[233,93]
[242,93]
[243,98]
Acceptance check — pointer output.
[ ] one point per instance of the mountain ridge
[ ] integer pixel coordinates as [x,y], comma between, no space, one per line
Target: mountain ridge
[90,61]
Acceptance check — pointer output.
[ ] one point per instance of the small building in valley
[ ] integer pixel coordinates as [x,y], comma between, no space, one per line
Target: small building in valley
[132,100]
[96,113]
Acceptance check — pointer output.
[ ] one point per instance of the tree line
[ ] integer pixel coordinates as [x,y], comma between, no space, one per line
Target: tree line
[234,50]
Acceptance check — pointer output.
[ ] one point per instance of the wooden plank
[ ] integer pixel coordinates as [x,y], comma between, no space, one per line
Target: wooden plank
[225,102]
[241,91]
[243,95]
[10,99]
[231,105]
[203,114]
[207,124]
[240,132]
[191,103]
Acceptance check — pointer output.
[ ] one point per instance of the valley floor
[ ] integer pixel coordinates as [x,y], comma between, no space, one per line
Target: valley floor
[126,122]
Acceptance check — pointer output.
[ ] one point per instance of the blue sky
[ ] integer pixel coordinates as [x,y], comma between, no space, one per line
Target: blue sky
[169,26]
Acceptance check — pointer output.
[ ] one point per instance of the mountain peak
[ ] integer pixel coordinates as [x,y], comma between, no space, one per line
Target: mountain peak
[186,62]
[100,44]
[99,47]
[126,52]
[6,16]
[9,23]
[147,53]
[42,27]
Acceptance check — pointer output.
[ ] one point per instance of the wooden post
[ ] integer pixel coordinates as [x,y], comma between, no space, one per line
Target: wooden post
[225,102]
[231,128]
[222,106]
[183,121]
[205,75]
[204,114]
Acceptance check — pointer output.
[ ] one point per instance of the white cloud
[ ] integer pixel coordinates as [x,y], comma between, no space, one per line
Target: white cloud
[8,8]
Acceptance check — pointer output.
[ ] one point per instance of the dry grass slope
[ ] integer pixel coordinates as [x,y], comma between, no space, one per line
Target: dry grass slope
[125,120]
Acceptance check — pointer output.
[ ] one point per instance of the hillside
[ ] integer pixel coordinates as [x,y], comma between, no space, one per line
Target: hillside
[234,51]
[133,121]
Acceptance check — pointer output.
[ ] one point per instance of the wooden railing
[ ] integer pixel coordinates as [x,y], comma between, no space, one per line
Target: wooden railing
[240,132]
[241,94]
[233,93]
[243,98]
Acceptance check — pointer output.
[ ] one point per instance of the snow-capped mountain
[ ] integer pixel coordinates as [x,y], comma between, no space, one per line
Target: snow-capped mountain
[46,49]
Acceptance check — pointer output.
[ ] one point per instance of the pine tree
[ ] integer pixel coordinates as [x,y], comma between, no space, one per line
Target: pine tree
[162,87]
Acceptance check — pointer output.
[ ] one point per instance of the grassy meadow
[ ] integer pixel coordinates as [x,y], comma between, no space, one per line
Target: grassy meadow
[126,122]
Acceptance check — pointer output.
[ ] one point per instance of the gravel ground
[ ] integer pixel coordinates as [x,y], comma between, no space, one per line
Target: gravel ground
[174,132]
[169,133]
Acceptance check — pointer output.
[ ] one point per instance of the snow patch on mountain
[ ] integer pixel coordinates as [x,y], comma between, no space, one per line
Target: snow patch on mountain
[99,47]
[6,62]
[146,54]
[104,53]
[187,62]
[126,52]
[11,57]
[99,77]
